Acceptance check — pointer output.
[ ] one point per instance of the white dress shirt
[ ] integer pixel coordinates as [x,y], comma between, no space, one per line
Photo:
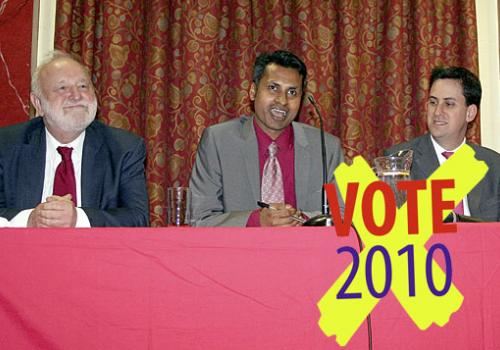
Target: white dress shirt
[4,222]
[52,160]
[439,150]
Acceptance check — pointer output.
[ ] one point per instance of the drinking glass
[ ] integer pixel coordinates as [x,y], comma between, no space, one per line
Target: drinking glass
[392,169]
[178,206]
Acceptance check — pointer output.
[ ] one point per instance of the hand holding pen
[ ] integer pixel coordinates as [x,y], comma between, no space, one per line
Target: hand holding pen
[279,215]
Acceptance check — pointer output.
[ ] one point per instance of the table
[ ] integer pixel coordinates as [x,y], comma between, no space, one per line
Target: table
[218,288]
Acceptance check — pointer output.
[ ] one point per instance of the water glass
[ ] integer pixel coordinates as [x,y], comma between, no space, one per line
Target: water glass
[391,170]
[178,206]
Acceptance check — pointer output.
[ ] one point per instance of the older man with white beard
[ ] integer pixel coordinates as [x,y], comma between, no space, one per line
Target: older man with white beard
[65,169]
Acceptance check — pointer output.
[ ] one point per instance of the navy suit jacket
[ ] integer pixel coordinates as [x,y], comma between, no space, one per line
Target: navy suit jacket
[113,185]
[484,199]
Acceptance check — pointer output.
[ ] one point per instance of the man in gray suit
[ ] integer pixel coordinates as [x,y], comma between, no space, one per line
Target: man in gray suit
[107,184]
[453,103]
[232,156]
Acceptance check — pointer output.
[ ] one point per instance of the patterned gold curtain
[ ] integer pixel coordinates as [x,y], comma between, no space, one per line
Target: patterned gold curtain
[166,69]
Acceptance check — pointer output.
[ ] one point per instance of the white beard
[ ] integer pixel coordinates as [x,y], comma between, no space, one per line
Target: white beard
[74,122]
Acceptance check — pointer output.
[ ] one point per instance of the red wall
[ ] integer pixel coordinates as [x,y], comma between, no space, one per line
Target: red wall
[15,42]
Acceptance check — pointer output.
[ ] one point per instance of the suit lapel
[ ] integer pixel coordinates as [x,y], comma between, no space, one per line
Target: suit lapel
[473,200]
[302,162]
[424,158]
[32,168]
[92,168]
[474,196]
[250,155]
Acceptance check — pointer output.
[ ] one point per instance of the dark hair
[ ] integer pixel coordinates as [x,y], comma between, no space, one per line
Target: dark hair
[281,58]
[471,85]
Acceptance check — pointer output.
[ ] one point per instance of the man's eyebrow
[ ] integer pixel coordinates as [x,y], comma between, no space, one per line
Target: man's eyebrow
[64,80]
[446,98]
[282,85]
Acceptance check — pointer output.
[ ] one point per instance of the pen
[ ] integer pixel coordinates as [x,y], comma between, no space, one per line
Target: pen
[294,217]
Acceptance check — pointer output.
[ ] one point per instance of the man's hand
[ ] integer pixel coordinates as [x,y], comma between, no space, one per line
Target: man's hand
[57,211]
[278,214]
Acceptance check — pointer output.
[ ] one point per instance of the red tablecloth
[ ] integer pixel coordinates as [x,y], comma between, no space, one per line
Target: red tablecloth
[192,288]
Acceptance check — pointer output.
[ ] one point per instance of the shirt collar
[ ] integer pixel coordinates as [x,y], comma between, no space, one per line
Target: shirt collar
[439,150]
[52,143]
[284,140]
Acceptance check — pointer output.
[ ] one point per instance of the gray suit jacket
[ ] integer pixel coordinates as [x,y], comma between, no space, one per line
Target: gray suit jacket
[113,184]
[484,199]
[225,180]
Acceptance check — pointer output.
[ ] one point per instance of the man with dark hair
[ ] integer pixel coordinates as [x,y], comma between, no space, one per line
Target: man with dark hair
[453,103]
[265,157]
[65,169]
[281,58]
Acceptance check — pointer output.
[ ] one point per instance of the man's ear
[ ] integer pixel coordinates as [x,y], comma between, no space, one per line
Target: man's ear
[471,113]
[253,91]
[35,101]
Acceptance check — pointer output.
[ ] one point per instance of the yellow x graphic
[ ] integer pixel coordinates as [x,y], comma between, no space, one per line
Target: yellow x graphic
[342,317]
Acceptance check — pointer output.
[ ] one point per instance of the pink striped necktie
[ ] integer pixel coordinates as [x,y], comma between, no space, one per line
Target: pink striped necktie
[460,206]
[64,180]
[272,179]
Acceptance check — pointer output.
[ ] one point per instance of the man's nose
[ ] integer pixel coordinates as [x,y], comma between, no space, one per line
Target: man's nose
[75,93]
[282,98]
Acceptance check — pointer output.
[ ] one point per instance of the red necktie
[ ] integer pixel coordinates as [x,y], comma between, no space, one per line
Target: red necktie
[460,207]
[272,178]
[64,181]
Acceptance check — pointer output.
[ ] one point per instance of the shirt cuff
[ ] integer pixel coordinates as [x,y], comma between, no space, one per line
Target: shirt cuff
[21,219]
[82,220]
[254,219]
[4,222]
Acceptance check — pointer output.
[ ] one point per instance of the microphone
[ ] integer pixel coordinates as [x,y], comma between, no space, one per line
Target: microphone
[324,219]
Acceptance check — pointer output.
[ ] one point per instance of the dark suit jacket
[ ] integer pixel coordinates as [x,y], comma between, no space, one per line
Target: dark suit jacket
[484,199]
[225,181]
[113,185]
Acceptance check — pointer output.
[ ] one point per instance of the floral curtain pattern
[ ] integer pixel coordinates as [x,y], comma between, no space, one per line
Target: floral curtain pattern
[167,69]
